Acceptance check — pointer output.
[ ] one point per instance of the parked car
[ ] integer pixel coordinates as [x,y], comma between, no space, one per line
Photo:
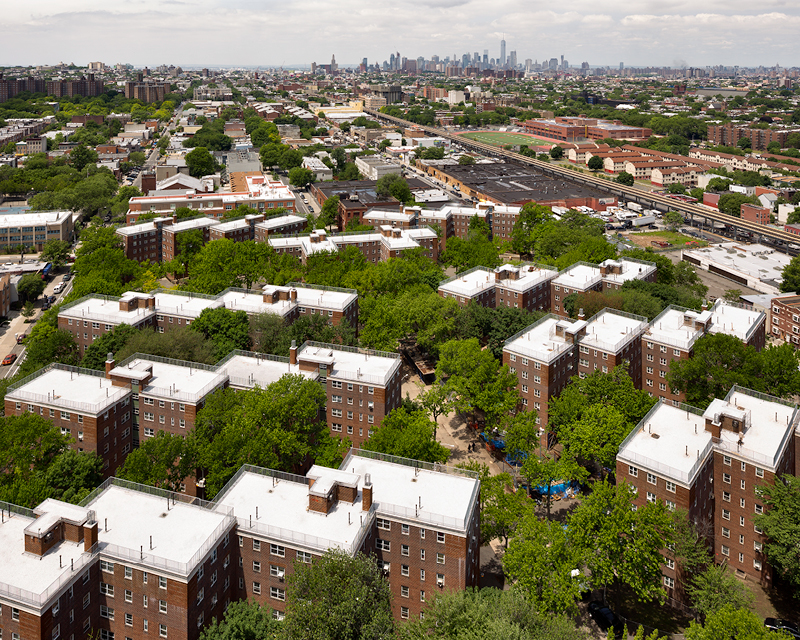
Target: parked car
[45,305]
[58,288]
[50,299]
[9,359]
[605,618]
[21,337]
[788,628]
[67,277]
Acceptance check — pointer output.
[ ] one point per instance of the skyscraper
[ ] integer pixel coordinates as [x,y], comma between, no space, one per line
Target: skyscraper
[502,52]
[486,56]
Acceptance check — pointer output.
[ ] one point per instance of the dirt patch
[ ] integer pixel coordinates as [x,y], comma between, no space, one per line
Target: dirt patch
[645,240]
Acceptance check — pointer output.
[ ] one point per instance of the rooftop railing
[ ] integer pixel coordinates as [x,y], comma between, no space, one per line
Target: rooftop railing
[458,276]
[521,347]
[408,462]
[616,346]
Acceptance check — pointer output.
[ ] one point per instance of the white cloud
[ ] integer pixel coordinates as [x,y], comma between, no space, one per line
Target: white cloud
[258,32]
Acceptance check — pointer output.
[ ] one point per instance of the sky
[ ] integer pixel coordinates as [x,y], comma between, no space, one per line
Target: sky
[270,33]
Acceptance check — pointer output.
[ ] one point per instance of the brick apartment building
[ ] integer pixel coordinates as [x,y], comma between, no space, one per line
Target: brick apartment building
[524,287]
[163,310]
[568,129]
[753,213]
[476,285]
[710,463]
[544,358]
[581,277]
[133,561]
[376,246]
[612,338]
[362,385]
[262,194]
[729,135]
[786,318]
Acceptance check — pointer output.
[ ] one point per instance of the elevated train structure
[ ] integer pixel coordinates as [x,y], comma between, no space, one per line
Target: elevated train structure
[707,219]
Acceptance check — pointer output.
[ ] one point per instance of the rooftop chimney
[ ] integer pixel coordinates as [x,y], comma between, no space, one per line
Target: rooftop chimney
[293,353]
[366,493]
[109,364]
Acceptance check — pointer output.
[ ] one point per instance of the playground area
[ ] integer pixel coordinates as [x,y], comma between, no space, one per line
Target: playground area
[503,138]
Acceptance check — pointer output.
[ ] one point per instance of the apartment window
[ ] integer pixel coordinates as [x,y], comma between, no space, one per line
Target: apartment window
[651,497]
[726,460]
[256,566]
[725,550]
[404,550]
[257,588]
[106,612]
[162,630]
[404,613]
[726,533]
[108,567]
[422,533]
[669,563]
[422,554]
[759,472]
[422,575]
[162,582]
[303,556]
[439,558]
[757,546]
[741,521]
[277,594]
[256,545]
[726,515]
[276,571]
[383,545]
[404,570]
[277,550]
[670,486]
[144,601]
[15,613]
[405,529]
[107,589]
[669,583]
[162,604]
[726,496]
[670,505]
[726,477]
[439,536]
[652,479]
[743,484]
[128,595]
[382,523]
[759,509]
[403,592]
[633,472]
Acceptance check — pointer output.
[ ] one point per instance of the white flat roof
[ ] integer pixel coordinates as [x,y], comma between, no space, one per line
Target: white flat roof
[754,260]
[669,328]
[196,223]
[59,389]
[34,218]
[353,366]
[254,303]
[734,320]
[172,381]
[611,331]
[133,517]
[771,425]
[31,573]
[279,221]
[186,306]
[579,276]
[541,342]
[284,516]
[309,296]
[529,276]
[630,270]
[106,311]
[662,441]
[245,372]
[443,499]
[469,284]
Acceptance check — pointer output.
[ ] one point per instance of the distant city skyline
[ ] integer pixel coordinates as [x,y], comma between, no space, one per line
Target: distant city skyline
[271,34]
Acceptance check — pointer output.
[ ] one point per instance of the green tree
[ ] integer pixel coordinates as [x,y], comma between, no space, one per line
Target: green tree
[200,162]
[349,172]
[338,597]
[395,186]
[528,226]
[243,620]
[620,545]
[290,159]
[731,203]
[137,158]
[28,445]
[744,143]
[730,622]
[717,587]
[625,178]
[781,524]
[328,213]
[436,401]
[557,152]
[30,286]
[466,160]
[476,251]
[277,427]
[546,468]
[791,276]
[55,346]
[73,475]
[539,560]
[189,244]
[300,177]
[489,614]
[81,156]
[595,163]
[181,343]
[596,436]
[28,310]
[227,329]
[407,435]
[111,342]
[158,461]
[502,507]
[673,220]
[56,252]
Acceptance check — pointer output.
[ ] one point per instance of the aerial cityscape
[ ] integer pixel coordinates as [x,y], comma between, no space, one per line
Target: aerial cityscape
[491,330]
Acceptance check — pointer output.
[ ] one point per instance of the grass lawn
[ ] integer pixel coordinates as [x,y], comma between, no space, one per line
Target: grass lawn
[673,237]
[501,138]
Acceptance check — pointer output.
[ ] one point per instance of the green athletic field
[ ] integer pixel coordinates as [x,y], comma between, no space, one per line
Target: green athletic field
[502,138]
